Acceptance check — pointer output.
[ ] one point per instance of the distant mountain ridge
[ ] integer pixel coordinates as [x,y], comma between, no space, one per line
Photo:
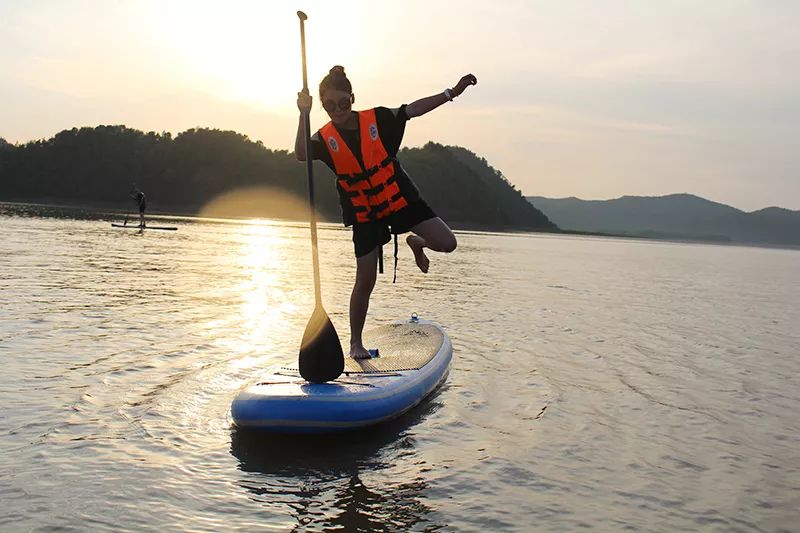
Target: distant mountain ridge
[679,216]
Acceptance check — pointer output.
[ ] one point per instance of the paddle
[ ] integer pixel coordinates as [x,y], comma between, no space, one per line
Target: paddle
[321,357]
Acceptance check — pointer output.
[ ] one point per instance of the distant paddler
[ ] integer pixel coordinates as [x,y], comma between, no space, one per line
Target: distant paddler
[141,202]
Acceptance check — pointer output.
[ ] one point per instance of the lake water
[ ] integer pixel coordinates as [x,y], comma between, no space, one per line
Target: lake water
[596,383]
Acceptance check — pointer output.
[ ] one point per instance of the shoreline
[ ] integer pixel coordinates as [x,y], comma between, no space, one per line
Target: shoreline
[122,208]
[119,208]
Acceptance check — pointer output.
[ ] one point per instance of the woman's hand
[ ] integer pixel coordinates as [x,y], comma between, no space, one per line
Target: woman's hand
[304,105]
[424,105]
[304,101]
[463,83]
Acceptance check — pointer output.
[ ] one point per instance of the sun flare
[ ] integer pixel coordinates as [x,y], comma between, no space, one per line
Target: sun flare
[252,54]
[256,202]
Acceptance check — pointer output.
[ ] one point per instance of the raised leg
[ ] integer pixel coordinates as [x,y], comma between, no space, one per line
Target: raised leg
[434,234]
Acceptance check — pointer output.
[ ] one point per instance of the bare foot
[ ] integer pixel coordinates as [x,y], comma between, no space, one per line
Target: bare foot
[416,243]
[357,351]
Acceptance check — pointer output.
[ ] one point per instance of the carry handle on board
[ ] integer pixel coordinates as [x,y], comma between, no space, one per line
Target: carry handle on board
[321,356]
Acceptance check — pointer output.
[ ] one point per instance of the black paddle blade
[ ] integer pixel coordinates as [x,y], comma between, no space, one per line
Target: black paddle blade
[321,356]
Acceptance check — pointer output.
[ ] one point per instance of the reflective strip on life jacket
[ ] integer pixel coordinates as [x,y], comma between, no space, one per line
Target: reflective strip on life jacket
[371,187]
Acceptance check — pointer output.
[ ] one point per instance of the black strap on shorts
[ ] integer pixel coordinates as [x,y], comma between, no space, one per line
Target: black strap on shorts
[380,259]
[394,279]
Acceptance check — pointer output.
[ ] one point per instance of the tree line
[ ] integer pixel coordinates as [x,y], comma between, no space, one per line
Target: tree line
[97,166]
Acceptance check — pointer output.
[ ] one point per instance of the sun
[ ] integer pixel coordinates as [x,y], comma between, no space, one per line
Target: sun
[249,52]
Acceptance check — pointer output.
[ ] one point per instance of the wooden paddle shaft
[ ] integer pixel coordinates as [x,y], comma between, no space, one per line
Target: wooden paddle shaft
[310,166]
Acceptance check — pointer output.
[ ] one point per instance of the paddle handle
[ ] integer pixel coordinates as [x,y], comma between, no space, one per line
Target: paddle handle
[303,17]
[310,166]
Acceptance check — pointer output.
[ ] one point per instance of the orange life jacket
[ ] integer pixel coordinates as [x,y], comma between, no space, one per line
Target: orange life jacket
[370,184]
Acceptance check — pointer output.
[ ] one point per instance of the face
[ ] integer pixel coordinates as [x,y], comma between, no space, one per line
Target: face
[338,105]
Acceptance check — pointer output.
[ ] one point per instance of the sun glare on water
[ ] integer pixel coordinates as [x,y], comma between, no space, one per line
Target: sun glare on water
[266,302]
[266,290]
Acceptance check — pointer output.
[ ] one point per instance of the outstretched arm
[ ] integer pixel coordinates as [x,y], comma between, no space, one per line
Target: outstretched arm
[423,105]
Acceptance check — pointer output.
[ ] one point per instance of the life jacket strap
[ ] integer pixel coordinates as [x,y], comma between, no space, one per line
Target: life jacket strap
[374,190]
[376,209]
[355,178]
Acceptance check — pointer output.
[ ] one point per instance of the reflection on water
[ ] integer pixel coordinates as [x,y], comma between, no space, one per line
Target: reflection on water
[611,384]
[329,469]
[261,257]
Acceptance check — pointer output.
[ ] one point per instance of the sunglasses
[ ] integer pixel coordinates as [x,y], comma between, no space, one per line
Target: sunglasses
[330,106]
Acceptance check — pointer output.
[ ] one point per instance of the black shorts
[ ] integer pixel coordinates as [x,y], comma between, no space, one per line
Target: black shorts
[369,235]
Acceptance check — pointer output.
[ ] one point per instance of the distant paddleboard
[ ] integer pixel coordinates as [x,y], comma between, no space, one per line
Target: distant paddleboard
[136,226]
[413,360]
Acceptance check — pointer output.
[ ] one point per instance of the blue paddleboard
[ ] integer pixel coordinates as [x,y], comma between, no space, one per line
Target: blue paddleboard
[413,360]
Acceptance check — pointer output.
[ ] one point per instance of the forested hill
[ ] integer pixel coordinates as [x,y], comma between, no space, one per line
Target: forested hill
[187,173]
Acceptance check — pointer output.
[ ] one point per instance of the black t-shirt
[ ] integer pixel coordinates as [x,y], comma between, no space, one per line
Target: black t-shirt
[391,127]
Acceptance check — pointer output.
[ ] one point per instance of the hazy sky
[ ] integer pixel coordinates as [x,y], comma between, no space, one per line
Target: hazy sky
[595,98]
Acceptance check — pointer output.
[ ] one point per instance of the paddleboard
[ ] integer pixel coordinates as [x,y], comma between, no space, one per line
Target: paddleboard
[136,226]
[413,360]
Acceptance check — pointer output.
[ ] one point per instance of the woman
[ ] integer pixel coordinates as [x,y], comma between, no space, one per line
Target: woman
[376,195]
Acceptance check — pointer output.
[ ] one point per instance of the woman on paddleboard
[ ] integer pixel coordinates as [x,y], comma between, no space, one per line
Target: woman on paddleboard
[377,197]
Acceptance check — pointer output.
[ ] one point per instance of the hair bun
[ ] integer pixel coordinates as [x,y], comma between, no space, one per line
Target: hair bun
[337,80]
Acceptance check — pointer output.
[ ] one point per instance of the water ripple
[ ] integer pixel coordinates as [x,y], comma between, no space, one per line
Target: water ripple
[596,383]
